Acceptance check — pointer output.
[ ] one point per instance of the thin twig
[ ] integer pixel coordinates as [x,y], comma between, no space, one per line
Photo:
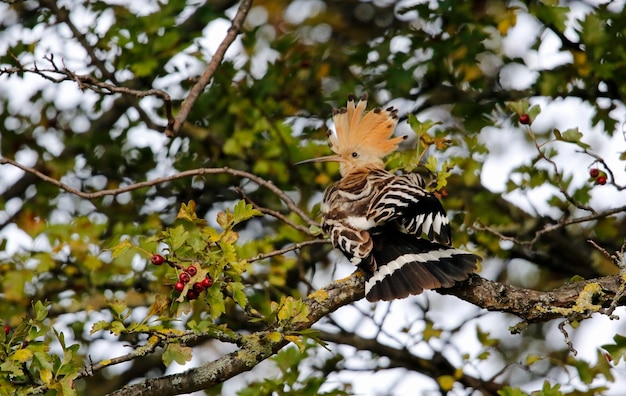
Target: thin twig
[549,228]
[90,82]
[289,248]
[193,172]
[207,75]
[274,213]
[557,173]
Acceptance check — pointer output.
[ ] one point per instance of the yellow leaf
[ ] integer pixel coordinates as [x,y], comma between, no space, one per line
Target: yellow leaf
[159,306]
[446,382]
[530,359]
[22,355]
[581,62]
[274,336]
[46,376]
[507,22]
[296,340]
[187,211]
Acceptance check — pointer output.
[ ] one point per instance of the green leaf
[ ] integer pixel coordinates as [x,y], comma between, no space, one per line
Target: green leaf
[238,293]
[508,391]
[118,307]
[117,327]
[534,111]
[177,353]
[244,211]
[40,311]
[549,390]
[178,236]
[120,248]
[617,350]
[485,339]
[573,135]
[100,325]
[430,331]
[431,164]
[215,299]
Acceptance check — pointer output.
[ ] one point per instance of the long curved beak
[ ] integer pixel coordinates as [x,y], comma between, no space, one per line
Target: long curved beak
[327,158]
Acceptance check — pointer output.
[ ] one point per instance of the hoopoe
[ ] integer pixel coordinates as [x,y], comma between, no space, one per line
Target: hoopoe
[389,225]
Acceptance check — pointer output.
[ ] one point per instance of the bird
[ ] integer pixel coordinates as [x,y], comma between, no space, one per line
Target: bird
[387,224]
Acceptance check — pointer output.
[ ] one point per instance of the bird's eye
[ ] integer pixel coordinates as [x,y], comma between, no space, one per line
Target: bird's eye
[355,154]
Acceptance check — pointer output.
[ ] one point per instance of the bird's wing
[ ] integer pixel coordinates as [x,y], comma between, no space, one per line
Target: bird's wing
[404,200]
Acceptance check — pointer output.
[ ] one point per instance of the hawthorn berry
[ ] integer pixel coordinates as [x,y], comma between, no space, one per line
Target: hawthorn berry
[191,270]
[198,287]
[207,282]
[179,286]
[601,180]
[594,172]
[524,119]
[192,295]
[157,259]
[184,277]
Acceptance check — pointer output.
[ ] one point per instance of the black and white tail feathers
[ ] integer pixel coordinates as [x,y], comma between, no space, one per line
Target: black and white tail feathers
[406,264]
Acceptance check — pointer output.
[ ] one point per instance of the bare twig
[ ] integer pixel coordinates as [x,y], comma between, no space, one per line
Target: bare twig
[63,15]
[193,172]
[207,75]
[289,248]
[274,213]
[549,228]
[557,173]
[92,83]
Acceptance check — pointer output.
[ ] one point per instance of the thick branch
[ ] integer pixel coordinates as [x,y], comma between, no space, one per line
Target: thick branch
[320,303]
[530,305]
[533,305]
[433,367]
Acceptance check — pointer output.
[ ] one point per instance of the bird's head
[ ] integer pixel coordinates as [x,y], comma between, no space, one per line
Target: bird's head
[361,140]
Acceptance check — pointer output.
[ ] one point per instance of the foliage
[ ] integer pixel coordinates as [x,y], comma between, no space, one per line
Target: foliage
[128,131]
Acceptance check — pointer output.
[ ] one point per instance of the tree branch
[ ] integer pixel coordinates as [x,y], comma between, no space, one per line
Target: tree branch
[320,304]
[433,367]
[207,75]
[90,82]
[539,306]
[530,305]
[193,172]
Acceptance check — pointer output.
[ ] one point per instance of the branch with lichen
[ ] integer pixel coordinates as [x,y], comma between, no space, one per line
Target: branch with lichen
[255,347]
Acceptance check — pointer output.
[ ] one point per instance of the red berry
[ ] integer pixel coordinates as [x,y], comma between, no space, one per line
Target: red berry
[207,282]
[191,270]
[184,277]
[594,172]
[524,119]
[198,287]
[601,180]
[192,295]
[179,286]
[157,259]
[7,329]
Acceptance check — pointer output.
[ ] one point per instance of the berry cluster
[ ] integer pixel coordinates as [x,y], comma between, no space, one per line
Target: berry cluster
[598,176]
[194,290]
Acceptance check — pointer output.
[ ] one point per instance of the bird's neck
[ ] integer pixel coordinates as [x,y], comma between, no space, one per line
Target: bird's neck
[347,170]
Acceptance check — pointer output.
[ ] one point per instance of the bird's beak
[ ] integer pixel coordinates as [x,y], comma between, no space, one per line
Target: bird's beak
[328,158]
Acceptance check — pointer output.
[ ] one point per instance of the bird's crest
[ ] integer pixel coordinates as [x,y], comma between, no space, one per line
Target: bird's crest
[370,132]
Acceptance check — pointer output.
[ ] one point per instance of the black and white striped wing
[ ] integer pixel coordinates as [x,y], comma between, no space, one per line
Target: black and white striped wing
[404,200]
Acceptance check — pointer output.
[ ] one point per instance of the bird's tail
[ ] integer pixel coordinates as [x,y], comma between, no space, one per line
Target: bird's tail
[409,265]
